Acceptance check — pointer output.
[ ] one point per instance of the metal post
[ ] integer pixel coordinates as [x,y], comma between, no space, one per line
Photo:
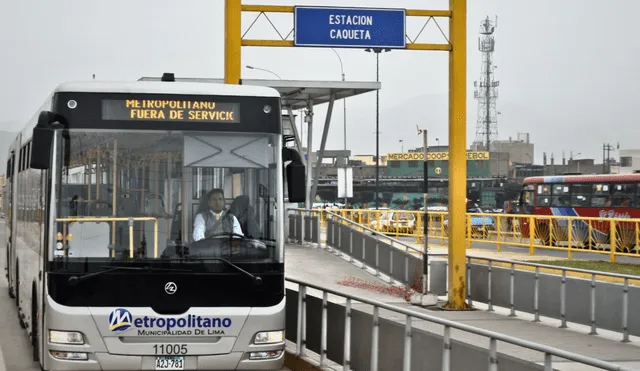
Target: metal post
[344,123]
[425,218]
[346,160]
[323,144]
[457,153]
[377,51]
[603,158]
[309,201]
[377,127]
[232,41]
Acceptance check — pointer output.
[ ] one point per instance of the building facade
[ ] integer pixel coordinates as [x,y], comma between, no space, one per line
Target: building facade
[629,161]
[480,164]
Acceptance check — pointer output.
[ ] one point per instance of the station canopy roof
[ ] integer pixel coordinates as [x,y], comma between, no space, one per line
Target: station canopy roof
[297,93]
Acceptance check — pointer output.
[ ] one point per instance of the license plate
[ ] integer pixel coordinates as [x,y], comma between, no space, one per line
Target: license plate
[170,363]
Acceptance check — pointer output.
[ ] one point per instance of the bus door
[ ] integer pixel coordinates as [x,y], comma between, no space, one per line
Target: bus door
[525,207]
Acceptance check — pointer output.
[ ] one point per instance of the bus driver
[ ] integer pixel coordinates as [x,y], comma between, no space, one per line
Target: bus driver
[213,219]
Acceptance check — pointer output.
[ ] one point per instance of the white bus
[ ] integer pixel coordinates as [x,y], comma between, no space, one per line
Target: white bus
[145,226]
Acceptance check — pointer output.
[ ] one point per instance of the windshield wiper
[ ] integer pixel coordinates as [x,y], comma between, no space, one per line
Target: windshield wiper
[74,280]
[257,280]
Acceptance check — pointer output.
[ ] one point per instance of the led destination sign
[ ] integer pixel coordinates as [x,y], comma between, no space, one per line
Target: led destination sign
[170,110]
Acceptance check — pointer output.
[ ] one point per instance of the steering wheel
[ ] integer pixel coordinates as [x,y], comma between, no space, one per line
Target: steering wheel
[205,243]
[102,202]
[217,235]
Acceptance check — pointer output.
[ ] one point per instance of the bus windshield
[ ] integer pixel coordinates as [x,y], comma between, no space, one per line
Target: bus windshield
[167,195]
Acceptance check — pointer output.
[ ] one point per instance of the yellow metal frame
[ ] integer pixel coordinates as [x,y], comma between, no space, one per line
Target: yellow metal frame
[290,9]
[457,49]
[522,230]
[120,219]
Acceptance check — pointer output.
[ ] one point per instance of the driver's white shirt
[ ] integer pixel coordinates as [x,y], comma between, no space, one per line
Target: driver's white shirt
[199,226]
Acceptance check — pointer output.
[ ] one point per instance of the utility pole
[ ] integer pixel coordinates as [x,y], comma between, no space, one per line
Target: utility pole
[425,217]
[344,123]
[377,51]
[606,155]
[426,299]
[603,157]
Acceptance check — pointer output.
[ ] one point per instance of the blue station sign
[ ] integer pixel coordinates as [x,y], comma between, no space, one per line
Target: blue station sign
[349,27]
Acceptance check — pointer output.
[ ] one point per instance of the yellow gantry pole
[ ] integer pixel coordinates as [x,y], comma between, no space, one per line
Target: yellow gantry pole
[457,154]
[457,115]
[232,41]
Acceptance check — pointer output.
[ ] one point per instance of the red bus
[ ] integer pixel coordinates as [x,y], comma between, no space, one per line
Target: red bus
[602,196]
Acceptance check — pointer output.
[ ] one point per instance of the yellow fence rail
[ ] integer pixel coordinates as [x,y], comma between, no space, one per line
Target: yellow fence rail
[607,236]
[130,220]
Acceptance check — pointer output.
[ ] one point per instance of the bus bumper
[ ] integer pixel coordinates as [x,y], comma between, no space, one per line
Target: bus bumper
[108,362]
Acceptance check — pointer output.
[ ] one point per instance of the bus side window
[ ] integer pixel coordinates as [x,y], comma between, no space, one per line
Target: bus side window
[543,195]
[560,196]
[601,195]
[623,195]
[580,195]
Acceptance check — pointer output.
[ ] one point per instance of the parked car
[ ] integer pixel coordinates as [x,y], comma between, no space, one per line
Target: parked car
[394,221]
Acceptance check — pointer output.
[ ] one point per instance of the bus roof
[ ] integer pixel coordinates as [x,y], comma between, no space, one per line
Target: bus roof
[587,178]
[166,87]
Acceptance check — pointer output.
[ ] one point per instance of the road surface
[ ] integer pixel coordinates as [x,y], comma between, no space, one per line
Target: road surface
[15,347]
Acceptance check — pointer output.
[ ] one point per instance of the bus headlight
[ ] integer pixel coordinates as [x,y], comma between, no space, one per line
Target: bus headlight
[70,356]
[65,337]
[269,337]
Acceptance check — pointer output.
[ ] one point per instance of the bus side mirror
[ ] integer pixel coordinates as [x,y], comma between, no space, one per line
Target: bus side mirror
[41,142]
[41,148]
[296,182]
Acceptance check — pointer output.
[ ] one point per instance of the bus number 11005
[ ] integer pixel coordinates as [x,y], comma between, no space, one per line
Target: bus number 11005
[170,349]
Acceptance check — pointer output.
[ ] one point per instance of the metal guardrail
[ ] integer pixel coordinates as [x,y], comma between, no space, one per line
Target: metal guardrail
[303,223]
[392,240]
[408,272]
[594,283]
[404,263]
[499,282]
[626,291]
[322,221]
[493,337]
[613,236]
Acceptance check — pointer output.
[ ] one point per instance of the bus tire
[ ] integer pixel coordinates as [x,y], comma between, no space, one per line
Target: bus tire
[17,284]
[34,324]
[9,286]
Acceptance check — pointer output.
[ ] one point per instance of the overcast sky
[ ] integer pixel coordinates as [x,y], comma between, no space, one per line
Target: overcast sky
[568,69]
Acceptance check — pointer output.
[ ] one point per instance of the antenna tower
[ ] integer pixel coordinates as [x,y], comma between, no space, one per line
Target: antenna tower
[486,89]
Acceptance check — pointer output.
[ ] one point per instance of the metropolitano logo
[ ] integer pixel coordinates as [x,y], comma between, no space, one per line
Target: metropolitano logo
[120,320]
